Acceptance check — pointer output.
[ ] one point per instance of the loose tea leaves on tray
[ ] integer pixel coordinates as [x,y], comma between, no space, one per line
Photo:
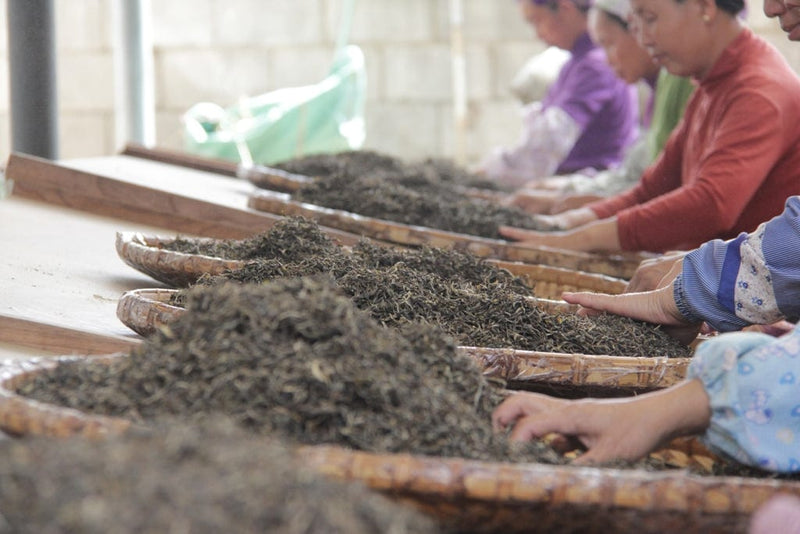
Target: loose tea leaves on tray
[431,193]
[203,479]
[359,162]
[296,358]
[473,301]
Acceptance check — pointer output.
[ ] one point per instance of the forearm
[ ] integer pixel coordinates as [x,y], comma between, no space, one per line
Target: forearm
[597,236]
[749,379]
[754,279]
[681,410]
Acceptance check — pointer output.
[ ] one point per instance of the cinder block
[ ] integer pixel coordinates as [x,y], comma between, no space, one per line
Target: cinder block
[272,22]
[479,68]
[169,130]
[86,81]
[490,124]
[293,66]
[83,24]
[386,21]
[489,20]
[5,138]
[85,134]
[219,76]
[373,60]
[410,130]
[181,23]
[3,27]
[418,73]
[4,89]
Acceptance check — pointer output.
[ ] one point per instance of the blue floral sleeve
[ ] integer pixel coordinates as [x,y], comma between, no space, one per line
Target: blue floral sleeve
[753,279]
[753,383]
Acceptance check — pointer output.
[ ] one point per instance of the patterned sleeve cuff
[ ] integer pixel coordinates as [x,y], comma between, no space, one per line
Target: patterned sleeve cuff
[743,376]
[679,294]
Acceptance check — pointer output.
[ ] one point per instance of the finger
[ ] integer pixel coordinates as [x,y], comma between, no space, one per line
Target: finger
[535,426]
[564,444]
[521,405]
[505,415]
[592,301]
[510,410]
[517,234]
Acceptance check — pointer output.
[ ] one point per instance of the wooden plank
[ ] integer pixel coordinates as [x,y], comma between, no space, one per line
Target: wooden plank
[61,279]
[183,159]
[259,175]
[62,340]
[143,191]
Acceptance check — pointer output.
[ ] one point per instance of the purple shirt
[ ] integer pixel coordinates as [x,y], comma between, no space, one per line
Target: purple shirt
[603,105]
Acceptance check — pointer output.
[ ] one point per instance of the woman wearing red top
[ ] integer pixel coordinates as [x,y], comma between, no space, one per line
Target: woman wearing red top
[730,164]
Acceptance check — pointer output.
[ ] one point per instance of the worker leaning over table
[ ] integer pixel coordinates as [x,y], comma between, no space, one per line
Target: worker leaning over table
[728,166]
[588,117]
[743,389]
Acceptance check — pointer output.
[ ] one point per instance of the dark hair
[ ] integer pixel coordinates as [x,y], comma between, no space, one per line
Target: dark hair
[582,5]
[614,17]
[734,7]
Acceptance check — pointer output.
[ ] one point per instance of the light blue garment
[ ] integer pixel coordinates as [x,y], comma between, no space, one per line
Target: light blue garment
[753,382]
[753,279]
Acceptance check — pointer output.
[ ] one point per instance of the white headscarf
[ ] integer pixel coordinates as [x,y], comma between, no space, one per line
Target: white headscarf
[620,8]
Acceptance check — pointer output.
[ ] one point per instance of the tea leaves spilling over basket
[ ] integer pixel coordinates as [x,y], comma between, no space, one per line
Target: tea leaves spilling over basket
[618,265]
[148,255]
[146,310]
[471,495]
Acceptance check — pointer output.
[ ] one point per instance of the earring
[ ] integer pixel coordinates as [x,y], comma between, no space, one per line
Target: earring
[706,18]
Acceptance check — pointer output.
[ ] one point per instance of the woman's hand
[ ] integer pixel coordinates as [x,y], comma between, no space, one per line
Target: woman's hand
[614,429]
[657,306]
[598,236]
[656,272]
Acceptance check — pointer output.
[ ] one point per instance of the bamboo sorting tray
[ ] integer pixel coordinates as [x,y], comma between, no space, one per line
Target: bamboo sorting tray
[145,310]
[621,265]
[471,495]
[504,497]
[521,368]
[177,269]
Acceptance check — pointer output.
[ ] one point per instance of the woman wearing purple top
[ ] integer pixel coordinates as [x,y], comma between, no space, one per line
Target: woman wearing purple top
[588,116]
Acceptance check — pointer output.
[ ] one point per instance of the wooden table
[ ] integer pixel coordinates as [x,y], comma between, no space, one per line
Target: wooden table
[61,278]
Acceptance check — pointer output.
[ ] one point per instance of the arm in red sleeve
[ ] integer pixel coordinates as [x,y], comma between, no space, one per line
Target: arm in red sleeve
[727,163]
[661,177]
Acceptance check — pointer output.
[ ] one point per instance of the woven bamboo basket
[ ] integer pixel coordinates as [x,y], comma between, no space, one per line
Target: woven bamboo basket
[147,255]
[621,265]
[473,496]
[145,310]
[550,282]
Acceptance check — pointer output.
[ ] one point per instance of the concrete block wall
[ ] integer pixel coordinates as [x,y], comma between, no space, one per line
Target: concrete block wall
[221,50]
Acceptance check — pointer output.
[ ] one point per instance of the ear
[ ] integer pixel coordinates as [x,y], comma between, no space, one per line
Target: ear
[567,6]
[707,9]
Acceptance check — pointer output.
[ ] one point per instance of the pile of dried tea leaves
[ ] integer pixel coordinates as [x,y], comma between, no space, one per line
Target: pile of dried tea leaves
[291,239]
[202,479]
[472,300]
[295,358]
[432,193]
[429,204]
[360,162]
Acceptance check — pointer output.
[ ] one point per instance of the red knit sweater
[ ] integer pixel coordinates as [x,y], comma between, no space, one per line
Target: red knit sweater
[729,165]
